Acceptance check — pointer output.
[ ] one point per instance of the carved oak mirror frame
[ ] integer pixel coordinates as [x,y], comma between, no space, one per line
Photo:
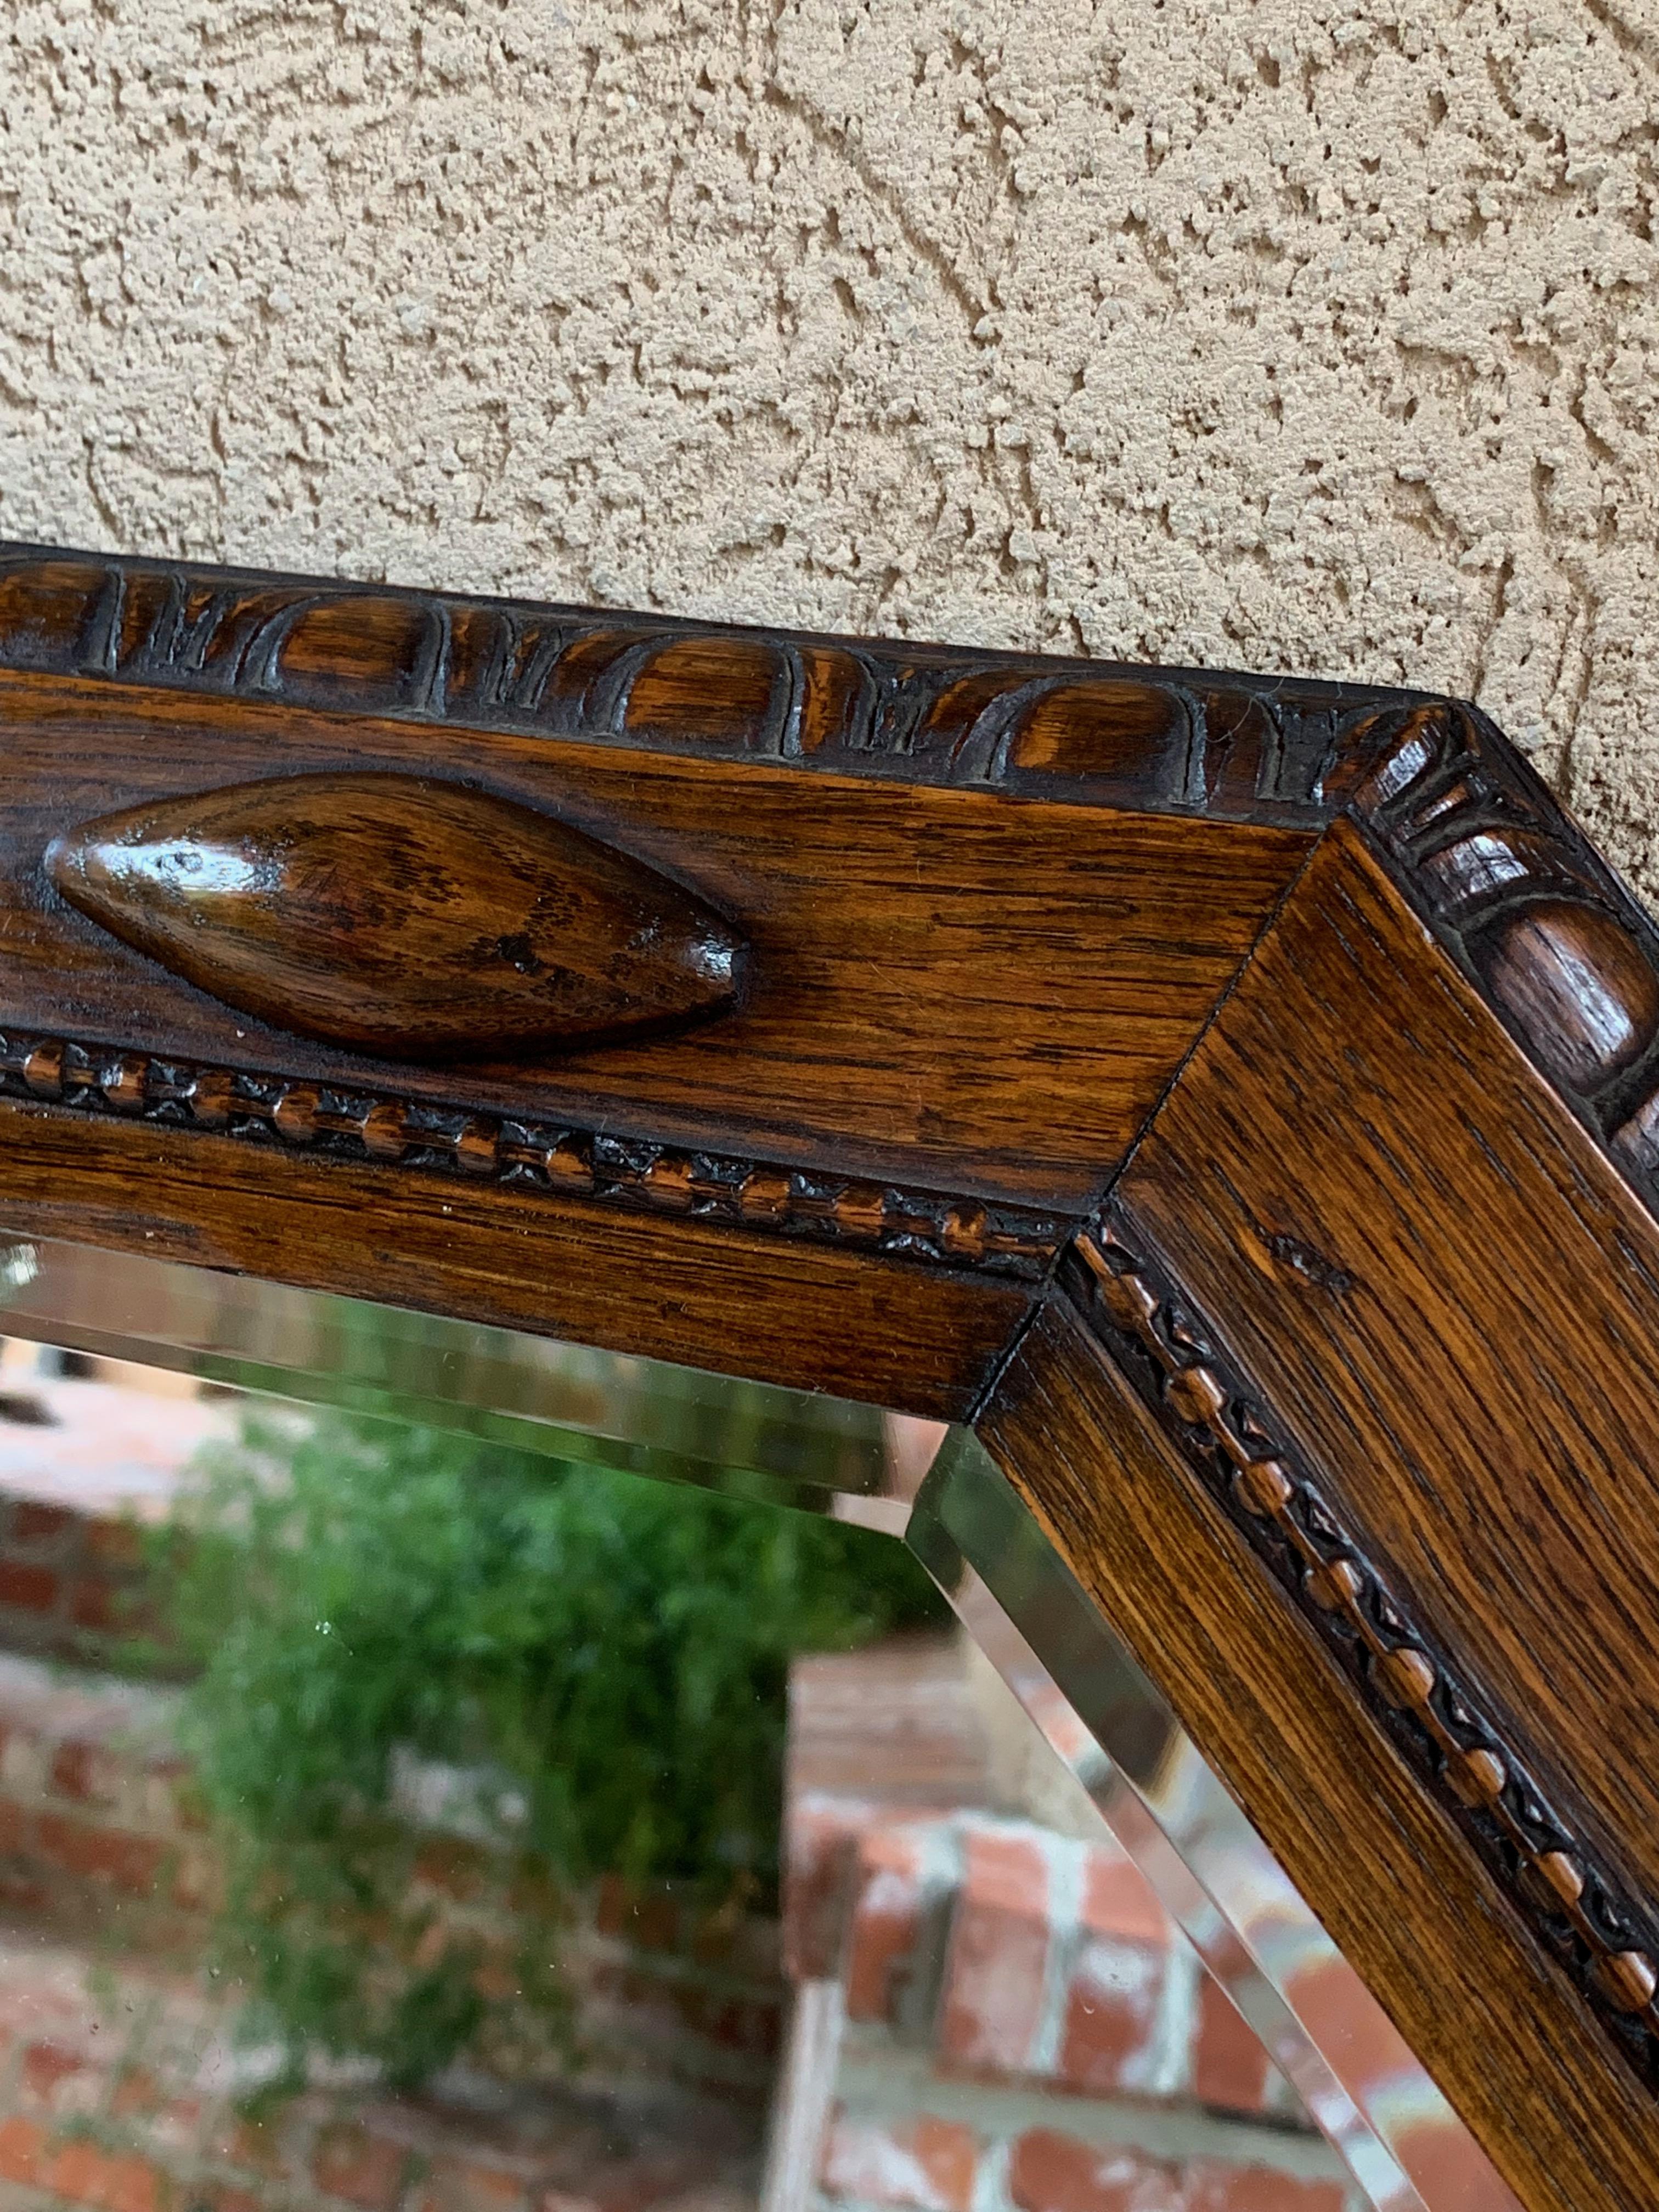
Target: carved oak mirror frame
[1238,1100]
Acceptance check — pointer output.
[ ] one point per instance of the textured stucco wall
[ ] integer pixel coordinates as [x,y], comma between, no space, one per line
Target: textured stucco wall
[1289,333]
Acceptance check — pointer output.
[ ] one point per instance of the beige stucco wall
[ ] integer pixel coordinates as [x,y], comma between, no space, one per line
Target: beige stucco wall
[1297,334]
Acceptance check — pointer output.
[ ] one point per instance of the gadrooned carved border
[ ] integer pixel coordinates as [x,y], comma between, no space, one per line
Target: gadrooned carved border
[1237,747]
[641,1175]
[1158,1339]
[1535,918]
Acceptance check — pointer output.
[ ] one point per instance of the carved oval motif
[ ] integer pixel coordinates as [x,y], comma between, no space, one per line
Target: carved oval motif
[400,915]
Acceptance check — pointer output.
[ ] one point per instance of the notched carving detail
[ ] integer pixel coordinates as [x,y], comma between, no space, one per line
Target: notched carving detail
[1164,1350]
[401,916]
[1240,748]
[639,1173]
[1557,944]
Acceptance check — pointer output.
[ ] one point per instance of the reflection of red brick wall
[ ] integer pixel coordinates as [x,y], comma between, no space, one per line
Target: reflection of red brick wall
[99,1832]
[1025,2030]
[114,2098]
[118,2099]
[72,1584]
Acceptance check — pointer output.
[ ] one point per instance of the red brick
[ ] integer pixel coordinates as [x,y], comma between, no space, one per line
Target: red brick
[110,2181]
[243,2142]
[654,1924]
[648,1919]
[534,1892]
[97,1604]
[48,2070]
[117,1543]
[614,1904]
[1117,1979]
[221,2198]
[1231,2067]
[1449,2168]
[112,1855]
[1345,2021]
[452,1865]
[138,2096]
[470,2185]
[30,1589]
[635,2185]
[73,1771]
[997,1960]
[820,1856]
[925,2162]
[1048,2172]
[363,2168]
[33,1523]
[1213,2187]
[886,1926]
[24,1895]
[21,2145]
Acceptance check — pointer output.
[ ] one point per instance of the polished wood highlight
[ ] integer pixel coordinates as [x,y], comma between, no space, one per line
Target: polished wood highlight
[401,915]
[1434,1935]
[1526,906]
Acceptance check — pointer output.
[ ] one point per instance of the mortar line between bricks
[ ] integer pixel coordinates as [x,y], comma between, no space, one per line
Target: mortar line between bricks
[1175,2032]
[1064,1861]
[883,2082]
[991,2179]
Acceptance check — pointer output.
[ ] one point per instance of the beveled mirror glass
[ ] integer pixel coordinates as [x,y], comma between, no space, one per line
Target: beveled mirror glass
[956,1918]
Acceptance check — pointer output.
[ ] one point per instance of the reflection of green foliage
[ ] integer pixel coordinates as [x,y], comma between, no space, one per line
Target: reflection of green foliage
[606,1655]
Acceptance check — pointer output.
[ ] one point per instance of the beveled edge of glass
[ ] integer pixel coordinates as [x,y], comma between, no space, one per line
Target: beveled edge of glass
[1110,1725]
[575,1403]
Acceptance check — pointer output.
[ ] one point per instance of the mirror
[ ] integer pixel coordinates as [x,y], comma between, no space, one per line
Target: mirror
[448,1770]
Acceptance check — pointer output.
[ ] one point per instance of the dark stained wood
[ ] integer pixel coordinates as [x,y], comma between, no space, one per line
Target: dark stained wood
[401,915]
[805,1314]
[1524,904]
[925,1228]
[947,988]
[1429,1927]
[1238,747]
[1448,1300]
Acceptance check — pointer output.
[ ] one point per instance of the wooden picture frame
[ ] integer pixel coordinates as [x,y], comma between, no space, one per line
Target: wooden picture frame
[1237,1098]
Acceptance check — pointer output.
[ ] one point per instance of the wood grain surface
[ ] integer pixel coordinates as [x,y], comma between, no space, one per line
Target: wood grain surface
[807,1315]
[1451,1302]
[1500,2027]
[948,988]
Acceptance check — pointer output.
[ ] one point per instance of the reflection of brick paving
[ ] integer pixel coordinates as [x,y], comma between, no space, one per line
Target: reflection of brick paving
[99,1834]
[119,2079]
[83,1466]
